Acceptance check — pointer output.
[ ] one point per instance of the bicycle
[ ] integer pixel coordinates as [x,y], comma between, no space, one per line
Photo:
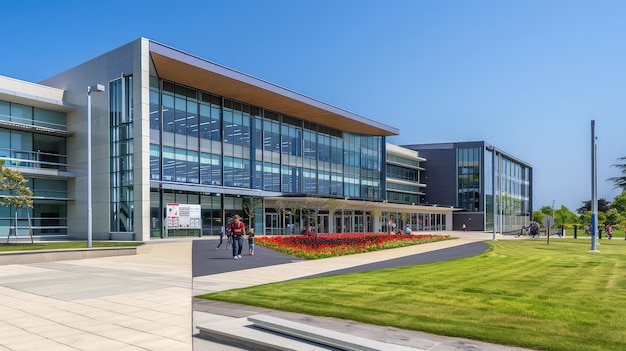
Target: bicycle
[229,241]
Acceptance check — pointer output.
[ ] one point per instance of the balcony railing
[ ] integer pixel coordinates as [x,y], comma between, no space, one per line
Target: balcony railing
[33,159]
[32,122]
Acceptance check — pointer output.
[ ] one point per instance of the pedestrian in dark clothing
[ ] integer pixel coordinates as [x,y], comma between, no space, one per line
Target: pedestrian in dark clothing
[221,234]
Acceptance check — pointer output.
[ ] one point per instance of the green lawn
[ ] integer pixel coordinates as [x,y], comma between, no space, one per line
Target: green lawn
[63,245]
[524,293]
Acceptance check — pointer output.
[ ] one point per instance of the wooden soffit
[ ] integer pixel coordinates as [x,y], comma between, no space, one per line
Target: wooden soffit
[183,68]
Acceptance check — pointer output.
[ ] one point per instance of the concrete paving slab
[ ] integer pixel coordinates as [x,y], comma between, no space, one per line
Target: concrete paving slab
[144,301]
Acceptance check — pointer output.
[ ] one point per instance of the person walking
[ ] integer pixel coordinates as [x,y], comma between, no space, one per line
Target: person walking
[221,234]
[251,241]
[238,229]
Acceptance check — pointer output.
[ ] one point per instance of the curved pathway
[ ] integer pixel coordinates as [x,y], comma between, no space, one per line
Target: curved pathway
[215,270]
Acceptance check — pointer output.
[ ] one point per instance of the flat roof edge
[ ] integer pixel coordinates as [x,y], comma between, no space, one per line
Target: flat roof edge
[202,63]
[32,93]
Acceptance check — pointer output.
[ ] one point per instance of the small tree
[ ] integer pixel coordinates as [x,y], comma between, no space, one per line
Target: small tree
[564,217]
[250,206]
[314,205]
[538,215]
[15,194]
[404,217]
[281,209]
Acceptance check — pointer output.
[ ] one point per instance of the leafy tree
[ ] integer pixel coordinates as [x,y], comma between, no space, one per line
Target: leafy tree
[585,219]
[601,218]
[620,182]
[281,209]
[314,205]
[603,206]
[546,210]
[538,215]
[619,203]
[14,192]
[613,217]
[250,206]
[563,216]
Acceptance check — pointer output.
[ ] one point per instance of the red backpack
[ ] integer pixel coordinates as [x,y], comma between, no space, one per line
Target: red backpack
[236,228]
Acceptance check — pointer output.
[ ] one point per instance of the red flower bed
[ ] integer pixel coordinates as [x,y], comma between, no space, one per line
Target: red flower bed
[329,245]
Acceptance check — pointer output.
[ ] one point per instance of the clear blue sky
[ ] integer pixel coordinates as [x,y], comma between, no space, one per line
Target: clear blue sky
[526,76]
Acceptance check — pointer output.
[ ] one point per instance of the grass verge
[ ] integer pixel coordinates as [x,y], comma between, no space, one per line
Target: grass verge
[521,292]
[63,245]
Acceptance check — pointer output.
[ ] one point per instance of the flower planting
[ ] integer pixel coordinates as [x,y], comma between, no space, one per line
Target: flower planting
[329,245]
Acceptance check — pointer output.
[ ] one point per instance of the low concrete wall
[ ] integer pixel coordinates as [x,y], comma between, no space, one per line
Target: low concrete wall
[38,256]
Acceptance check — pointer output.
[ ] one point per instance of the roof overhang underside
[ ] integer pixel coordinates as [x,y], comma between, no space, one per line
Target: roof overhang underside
[323,203]
[183,68]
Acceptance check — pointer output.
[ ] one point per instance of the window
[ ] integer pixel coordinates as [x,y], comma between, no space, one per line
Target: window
[122,154]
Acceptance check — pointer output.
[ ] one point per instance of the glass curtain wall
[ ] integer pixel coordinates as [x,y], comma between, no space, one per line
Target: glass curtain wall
[200,138]
[122,148]
[513,200]
[36,150]
[468,178]
[512,193]
[489,189]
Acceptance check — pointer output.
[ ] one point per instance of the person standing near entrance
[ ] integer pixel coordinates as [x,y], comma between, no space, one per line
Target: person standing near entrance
[251,241]
[238,229]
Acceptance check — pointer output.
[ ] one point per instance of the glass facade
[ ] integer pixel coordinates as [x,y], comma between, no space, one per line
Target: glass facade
[468,178]
[403,174]
[199,138]
[34,139]
[122,148]
[242,146]
[512,193]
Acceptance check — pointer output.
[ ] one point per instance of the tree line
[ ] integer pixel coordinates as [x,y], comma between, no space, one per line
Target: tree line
[613,213]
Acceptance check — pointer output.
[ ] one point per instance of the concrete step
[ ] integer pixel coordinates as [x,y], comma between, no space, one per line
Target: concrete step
[240,332]
[323,336]
[268,333]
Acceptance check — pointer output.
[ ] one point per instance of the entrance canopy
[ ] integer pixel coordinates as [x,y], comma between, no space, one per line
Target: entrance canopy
[351,204]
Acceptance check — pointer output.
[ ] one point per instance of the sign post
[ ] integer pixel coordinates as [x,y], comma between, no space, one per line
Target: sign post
[548,221]
[184,216]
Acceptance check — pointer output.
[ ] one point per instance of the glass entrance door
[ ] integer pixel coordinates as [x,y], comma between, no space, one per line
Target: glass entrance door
[322,223]
[272,225]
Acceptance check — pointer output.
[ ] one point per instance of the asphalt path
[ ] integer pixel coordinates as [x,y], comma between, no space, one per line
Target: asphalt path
[206,260]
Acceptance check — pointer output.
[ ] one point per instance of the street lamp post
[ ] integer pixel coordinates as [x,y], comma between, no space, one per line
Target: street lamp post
[493,187]
[92,88]
[594,188]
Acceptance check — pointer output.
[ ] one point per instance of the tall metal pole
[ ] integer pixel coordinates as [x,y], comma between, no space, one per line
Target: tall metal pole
[96,88]
[500,202]
[594,186]
[89,210]
[493,190]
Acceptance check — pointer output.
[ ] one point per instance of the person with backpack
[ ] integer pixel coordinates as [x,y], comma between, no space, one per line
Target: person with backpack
[238,229]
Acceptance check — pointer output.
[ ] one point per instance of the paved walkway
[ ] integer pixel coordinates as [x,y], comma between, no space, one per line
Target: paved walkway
[139,302]
[144,302]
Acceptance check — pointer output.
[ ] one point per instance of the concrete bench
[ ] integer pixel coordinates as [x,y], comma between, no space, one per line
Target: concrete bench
[323,336]
[39,256]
